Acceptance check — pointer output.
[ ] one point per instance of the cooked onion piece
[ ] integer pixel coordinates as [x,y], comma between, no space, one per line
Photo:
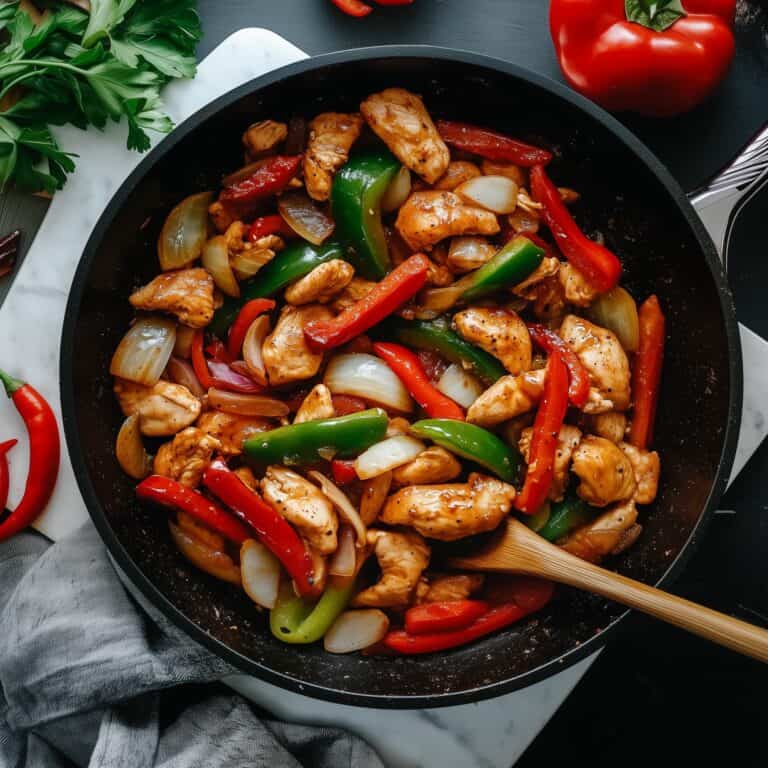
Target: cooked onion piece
[460,385]
[246,405]
[216,260]
[131,454]
[260,571]
[144,351]
[494,193]
[386,455]
[211,561]
[368,377]
[355,630]
[184,232]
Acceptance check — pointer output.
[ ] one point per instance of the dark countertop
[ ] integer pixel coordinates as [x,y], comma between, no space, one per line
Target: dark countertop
[655,693]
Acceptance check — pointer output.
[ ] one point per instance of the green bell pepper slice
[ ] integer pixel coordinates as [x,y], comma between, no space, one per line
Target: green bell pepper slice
[437,336]
[473,443]
[294,620]
[356,206]
[565,516]
[289,265]
[510,266]
[306,443]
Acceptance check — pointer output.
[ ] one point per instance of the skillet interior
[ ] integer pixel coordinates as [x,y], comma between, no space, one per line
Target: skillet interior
[644,218]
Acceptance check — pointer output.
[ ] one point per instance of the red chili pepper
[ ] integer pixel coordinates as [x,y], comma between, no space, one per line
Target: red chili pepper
[355,8]
[646,372]
[409,370]
[237,331]
[271,178]
[343,405]
[44,454]
[404,282]
[600,266]
[272,529]
[443,617]
[546,427]
[549,341]
[5,477]
[343,471]
[172,495]
[491,145]
[269,225]
[658,59]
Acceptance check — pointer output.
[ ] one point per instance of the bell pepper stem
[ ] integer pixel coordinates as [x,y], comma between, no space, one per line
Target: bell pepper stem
[11,384]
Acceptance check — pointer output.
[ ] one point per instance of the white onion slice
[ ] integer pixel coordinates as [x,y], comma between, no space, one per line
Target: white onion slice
[460,385]
[305,218]
[181,372]
[368,377]
[260,571]
[211,561]
[184,337]
[388,454]
[252,346]
[617,311]
[246,405]
[355,630]
[216,260]
[495,193]
[468,253]
[343,505]
[344,558]
[374,495]
[248,262]
[397,192]
[144,351]
[184,232]
[129,449]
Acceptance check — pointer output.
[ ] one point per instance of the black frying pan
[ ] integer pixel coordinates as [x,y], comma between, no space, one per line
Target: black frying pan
[626,194]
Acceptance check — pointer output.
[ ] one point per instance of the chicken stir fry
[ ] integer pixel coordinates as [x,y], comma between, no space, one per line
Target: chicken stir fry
[385,346]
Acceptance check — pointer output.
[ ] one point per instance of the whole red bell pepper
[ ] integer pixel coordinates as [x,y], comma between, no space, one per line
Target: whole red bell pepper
[270,178]
[237,331]
[401,284]
[443,616]
[599,266]
[549,341]
[546,427]
[406,365]
[655,57]
[646,372]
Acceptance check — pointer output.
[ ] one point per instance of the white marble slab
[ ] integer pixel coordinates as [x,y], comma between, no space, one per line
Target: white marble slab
[489,734]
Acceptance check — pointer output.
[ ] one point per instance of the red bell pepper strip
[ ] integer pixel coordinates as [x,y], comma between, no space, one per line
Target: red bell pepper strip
[540,242]
[409,370]
[343,405]
[199,363]
[270,178]
[354,8]
[238,330]
[443,617]
[343,471]
[272,529]
[549,341]
[173,495]
[646,372]
[546,427]
[5,477]
[404,282]
[44,454]
[599,266]
[491,145]
[269,225]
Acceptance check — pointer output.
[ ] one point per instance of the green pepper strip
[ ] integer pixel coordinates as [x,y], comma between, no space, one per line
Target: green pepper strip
[289,265]
[310,441]
[437,336]
[510,266]
[473,443]
[294,620]
[564,516]
[356,204]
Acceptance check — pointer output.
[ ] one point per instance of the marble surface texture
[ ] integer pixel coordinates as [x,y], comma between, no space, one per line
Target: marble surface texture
[491,733]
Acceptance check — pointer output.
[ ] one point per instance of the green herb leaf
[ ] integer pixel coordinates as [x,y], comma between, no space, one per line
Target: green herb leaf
[160,54]
[105,16]
[67,19]
[176,20]
[657,15]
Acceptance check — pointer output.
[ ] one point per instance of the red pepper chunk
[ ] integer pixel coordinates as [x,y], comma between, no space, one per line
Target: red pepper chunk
[546,427]
[343,471]
[405,364]
[646,372]
[390,294]
[599,266]
[443,616]
[199,363]
[173,495]
[271,178]
[549,341]
[491,145]
[355,8]
[343,405]
[238,330]
[271,528]
[5,477]
[269,225]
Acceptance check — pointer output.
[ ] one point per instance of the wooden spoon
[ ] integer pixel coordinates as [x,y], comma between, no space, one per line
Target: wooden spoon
[519,550]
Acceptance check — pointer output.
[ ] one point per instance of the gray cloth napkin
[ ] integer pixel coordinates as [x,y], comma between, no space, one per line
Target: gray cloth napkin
[85,677]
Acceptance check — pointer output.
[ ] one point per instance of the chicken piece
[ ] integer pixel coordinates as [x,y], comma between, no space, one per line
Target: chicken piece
[439,588]
[221,216]
[257,253]
[549,266]
[355,290]
[646,467]
[567,440]
[605,472]
[318,404]
[549,301]
[400,119]
[438,275]
[185,458]
[402,558]
[231,431]
[264,136]
[601,537]
[434,465]
[186,293]
[611,425]
[287,357]
[457,172]
[510,170]
[602,355]
[460,260]
[304,506]
[509,397]
[577,289]
[428,217]
[163,410]
[331,136]
[397,425]
[451,511]
[321,284]
[597,403]
[248,478]
[498,331]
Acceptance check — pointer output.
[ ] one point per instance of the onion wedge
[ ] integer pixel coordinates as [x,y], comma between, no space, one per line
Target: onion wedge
[246,405]
[145,350]
[387,455]
[305,218]
[355,630]
[260,571]
[368,377]
[345,557]
[216,260]
[211,561]
[494,193]
[460,385]
[184,232]
[252,346]
[343,505]
[375,493]
[129,449]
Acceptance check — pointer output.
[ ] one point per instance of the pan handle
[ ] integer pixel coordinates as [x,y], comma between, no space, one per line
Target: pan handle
[720,202]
